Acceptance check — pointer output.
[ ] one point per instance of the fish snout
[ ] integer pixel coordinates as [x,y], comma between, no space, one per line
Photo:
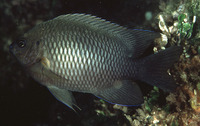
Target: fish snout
[11,47]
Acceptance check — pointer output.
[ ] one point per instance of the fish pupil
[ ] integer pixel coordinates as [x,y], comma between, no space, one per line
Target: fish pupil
[21,43]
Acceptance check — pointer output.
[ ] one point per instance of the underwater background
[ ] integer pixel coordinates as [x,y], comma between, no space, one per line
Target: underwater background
[24,102]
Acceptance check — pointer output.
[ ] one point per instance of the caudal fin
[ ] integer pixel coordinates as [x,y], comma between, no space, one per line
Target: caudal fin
[153,69]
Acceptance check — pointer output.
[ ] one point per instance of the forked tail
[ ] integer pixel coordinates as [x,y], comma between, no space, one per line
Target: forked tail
[153,69]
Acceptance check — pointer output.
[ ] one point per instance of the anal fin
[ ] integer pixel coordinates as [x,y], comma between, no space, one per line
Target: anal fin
[124,92]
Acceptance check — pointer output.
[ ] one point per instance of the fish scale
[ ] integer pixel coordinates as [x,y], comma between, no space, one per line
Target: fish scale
[84,53]
[72,61]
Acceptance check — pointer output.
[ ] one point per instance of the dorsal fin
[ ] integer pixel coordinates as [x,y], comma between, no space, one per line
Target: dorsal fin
[135,41]
[93,21]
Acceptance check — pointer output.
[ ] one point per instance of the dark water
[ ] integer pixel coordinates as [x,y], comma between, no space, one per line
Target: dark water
[23,101]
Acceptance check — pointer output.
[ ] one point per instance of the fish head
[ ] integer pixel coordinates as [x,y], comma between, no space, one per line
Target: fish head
[26,49]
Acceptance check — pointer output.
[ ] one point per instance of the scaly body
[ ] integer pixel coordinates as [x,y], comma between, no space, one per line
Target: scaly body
[78,52]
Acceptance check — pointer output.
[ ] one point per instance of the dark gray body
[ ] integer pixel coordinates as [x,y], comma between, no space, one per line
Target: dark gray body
[78,52]
[87,60]
[88,57]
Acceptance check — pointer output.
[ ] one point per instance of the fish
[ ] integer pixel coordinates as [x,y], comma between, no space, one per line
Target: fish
[87,54]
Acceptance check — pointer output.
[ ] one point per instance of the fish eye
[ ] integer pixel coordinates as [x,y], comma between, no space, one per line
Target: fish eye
[21,43]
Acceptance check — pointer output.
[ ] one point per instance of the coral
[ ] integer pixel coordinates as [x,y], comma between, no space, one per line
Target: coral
[177,20]
[186,99]
[184,28]
[190,72]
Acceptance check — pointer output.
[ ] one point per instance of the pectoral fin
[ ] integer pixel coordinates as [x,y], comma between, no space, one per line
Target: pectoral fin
[42,73]
[122,93]
[64,96]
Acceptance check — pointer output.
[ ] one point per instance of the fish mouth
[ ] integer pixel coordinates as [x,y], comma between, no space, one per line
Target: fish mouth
[11,48]
[11,51]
